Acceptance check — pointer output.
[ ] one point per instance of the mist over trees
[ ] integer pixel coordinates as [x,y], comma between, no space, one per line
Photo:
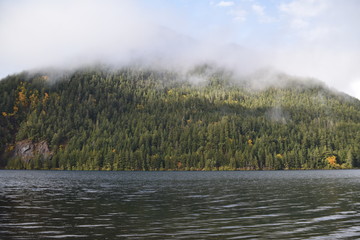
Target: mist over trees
[142,119]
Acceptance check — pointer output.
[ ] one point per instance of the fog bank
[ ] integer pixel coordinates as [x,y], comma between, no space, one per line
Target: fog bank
[316,39]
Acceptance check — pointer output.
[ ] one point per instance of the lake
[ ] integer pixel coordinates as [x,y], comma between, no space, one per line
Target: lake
[180,205]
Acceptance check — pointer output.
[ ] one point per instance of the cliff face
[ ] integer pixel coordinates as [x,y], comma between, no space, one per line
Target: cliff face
[26,150]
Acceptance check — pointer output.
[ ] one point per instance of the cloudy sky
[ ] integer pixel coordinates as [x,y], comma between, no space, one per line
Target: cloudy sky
[307,38]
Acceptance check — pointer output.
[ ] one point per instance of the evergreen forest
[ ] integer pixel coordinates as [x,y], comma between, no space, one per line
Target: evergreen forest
[134,118]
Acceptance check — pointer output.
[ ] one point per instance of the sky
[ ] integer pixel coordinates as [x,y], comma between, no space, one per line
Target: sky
[307,38]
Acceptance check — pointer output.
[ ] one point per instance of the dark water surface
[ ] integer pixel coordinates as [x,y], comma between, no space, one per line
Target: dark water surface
[180,205]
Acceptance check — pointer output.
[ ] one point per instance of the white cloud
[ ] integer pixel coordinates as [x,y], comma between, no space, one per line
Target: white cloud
[238,14]
[313,34]
[300,13]
[36,33]
[304,8]
[260,12]
[311,21]
[354,88]
[69,33]
[258,9]
[299,23]
[225,4]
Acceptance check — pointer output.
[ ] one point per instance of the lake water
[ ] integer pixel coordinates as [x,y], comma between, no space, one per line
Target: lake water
[180,205]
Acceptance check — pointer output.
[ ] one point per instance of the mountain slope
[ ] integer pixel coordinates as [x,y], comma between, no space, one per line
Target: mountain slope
[133,119]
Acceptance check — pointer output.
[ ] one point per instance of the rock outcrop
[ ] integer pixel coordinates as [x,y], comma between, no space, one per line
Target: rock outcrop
[27,150]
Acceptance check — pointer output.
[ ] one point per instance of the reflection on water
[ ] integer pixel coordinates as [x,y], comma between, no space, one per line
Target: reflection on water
[180,205]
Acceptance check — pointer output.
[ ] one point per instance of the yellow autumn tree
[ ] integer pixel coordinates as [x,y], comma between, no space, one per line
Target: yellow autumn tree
[331,160]
[45,98]
[34,99]
[22,96]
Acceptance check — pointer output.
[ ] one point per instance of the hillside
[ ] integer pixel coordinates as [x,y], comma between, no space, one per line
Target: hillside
[135,119]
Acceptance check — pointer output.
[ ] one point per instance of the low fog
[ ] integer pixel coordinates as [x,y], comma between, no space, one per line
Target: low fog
[306,38]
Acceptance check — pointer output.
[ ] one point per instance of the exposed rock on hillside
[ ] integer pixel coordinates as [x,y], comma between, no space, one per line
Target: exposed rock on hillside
[27,150]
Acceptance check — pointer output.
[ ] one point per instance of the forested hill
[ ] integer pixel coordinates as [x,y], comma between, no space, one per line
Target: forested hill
[133,119]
